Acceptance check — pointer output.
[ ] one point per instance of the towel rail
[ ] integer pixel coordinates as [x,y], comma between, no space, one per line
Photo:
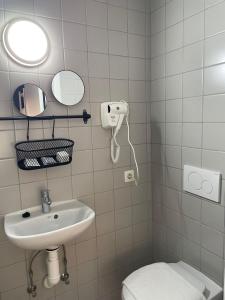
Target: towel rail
[85,116]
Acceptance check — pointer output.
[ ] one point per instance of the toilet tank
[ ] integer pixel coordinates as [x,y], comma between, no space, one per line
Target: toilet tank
[210,289]
[206,286]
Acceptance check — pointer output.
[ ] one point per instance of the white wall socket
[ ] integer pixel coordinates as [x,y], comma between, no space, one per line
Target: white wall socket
[129,176]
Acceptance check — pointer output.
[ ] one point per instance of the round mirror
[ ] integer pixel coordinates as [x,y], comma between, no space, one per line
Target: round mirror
[26,42]
[30,100]
[68,87]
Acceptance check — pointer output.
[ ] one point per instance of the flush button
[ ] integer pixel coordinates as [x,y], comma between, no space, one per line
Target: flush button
[195,181]
[207,187]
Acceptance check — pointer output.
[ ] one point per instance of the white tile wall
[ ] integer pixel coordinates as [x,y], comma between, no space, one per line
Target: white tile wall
[187,115]
[107,42]
[110,44]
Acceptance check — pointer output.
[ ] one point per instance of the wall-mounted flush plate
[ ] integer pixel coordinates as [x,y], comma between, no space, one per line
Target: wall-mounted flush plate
[129,176]
[201,182]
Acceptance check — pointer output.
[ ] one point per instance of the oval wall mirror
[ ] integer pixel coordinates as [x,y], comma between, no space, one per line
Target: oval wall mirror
[30,100]
[68,87]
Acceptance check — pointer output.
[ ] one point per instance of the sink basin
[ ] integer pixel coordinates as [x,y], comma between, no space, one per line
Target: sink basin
[67,220]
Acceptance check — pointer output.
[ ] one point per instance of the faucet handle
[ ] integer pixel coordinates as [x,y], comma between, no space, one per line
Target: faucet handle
[45,195]
[45,192]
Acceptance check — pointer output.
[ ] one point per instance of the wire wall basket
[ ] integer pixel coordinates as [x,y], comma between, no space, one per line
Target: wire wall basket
[39,154]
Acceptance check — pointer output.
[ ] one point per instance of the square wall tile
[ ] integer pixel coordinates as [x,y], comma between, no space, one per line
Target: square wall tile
[213,215]
[192,135]
[140,5]
[74,36]
[194,29]
[157,67]
[117,18]
[136,45]
[192,156]
[193,57]
[191,206]
[192,253]
[213,160]
[173,134]
[8,173]
[49,8]
[157,90]
[76,61]
[174,62]
[213,108]
[14,276]
[214,20]
[212,265]
[95,9]
[174,111]
[214,79]
[174,87]
[193,84]
[118,67]
[214,50]
[7,193]
[98,65]
[118,43]
[83,184]
[136,22]
[137,69]
[158,44]
[158,111]
[174,12]
[192,7]
[209,3]
[174,37]
[74,11]
[158,20]
[103,181]
[156,4]
[213,136]
[97,40]
[24,6]
[192,109]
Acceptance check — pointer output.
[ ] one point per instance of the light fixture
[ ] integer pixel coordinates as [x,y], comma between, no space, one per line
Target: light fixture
[26,42]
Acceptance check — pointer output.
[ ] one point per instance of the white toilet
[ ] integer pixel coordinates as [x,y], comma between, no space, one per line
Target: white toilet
[204,287]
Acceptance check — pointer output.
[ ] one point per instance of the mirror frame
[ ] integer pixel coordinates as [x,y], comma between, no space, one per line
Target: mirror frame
[68,70]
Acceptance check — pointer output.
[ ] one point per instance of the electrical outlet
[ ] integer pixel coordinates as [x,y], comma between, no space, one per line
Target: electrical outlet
[129,176]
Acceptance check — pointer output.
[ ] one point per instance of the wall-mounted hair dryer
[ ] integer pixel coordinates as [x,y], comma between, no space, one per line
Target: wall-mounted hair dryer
[112,115]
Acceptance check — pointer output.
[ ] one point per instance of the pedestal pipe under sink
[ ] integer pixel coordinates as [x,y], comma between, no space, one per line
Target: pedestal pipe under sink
[53,276]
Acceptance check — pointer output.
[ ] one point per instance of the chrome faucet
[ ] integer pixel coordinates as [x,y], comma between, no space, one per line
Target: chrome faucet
[45,201]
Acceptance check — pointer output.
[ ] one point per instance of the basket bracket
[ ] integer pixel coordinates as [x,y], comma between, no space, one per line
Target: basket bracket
[28,129]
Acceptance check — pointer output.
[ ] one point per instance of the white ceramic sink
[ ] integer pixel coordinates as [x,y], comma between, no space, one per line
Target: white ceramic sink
[66,221]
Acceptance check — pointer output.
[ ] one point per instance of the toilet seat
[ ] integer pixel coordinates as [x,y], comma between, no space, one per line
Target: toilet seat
[206,286]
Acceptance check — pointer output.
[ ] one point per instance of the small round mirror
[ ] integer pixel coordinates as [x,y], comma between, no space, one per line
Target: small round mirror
[68,87]
[30,100]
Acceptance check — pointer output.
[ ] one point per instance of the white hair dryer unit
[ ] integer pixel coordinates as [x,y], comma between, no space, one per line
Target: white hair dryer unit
[112,115]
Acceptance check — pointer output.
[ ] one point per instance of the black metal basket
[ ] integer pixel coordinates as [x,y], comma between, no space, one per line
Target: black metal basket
[38,154]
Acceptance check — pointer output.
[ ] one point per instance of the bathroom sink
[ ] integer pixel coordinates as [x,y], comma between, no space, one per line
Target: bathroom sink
[32,229]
